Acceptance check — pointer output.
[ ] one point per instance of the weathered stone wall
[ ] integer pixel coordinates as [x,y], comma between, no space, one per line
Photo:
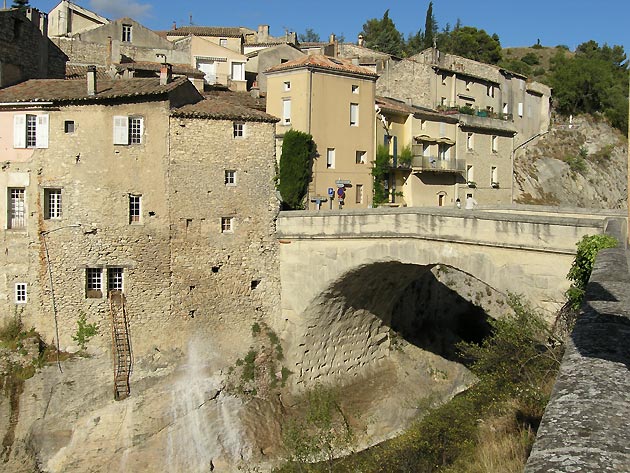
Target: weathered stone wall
[25,52]
[224,280]
[585,426]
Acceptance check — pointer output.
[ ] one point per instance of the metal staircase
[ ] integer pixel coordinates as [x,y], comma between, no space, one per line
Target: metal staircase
[121,345]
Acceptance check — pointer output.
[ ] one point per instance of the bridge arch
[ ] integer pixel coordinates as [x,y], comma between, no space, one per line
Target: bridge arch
[356,321]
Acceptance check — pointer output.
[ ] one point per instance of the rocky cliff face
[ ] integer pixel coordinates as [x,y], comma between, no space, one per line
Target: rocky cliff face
[584,165]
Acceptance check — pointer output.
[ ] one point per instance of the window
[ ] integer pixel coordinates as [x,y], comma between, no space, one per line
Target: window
[468,84]
[93,283]
[354,114]
[505,108]
[20,293]
[444,151]
[114,280]
[494,143]
[490,91]
[469,174]
[287,86]
[355,89]
[239,129]
[520,109]
[68,126]
[52,204]
[359,196]
[423,124]
[128,130]
[469,141]
[126,33]
[227,224]
[135,208]
[238,71]
[16,208]
[286,111]
[223,42]
[443,101]
[361,157]
[494,177]
[426,149]
[30,131]
[230,177]
[444,76]
[330,158]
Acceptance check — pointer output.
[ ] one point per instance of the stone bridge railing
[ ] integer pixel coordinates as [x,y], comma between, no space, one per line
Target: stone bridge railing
[586,426]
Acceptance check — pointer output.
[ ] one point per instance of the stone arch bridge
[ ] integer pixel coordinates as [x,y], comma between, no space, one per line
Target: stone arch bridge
[343,273]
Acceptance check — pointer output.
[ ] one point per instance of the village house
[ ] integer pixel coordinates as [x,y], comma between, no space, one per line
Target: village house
[136,195]
[68,19]
[455,84]
[333,101]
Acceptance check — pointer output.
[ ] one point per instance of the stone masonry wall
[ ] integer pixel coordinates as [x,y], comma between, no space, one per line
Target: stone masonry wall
[224,280]
[585,425]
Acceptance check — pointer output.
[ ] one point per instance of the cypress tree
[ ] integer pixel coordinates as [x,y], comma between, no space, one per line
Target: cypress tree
[430,27]
[298,149]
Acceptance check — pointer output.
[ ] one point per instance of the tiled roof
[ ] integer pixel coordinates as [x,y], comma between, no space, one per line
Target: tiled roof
[183,69]
[318,61]
[225,105]
[397,106]
[79,71]
[229,32]
[60,90]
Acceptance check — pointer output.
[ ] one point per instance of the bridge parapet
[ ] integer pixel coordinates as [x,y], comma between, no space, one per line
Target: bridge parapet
[585,427]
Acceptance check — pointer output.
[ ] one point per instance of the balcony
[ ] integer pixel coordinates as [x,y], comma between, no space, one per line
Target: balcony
[436,164]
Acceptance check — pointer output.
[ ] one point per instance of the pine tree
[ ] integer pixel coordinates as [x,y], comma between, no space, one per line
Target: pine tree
[383,36]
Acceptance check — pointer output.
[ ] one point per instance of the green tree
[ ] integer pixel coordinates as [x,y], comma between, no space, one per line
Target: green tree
[298,150]
[430,27]
[475,44]
[380,172]
[595,80]
[383,36]
[309,36]
[21,4]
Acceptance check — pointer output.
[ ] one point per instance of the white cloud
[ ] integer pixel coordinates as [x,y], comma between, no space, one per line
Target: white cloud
[119,8]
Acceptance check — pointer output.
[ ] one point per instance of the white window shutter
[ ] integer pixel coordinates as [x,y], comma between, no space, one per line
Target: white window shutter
[19,130]
[141,129]
[41,132]
[121,133]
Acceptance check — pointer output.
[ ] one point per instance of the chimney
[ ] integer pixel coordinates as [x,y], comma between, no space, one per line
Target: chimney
[361,40]
[166,73]
[263,33]
[91,80]
[174,25]
[109,51]
[332,38]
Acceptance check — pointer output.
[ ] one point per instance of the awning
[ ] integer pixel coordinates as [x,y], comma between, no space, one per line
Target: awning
[446,141]
[425,139]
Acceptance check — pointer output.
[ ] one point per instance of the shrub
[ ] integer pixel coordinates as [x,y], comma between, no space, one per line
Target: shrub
[405,157]
[84,332]
[380,172]
[582,266]
[531,59]
[298,150]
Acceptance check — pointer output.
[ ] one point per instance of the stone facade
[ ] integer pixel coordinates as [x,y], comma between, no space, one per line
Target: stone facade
[180,272]
[436,80]
[25,50]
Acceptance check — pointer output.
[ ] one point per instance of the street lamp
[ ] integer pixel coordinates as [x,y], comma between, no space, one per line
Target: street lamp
[50,278]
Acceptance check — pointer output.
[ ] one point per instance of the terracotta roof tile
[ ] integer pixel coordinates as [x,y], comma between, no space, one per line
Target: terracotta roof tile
[229,32]
[60,90]
[226,105]
[79,71]
[318,61]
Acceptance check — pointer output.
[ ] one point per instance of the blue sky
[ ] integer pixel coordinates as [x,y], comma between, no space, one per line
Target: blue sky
[552,21]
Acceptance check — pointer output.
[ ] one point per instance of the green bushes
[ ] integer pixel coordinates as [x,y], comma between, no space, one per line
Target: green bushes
[582,266]
[380,172]
[298,150]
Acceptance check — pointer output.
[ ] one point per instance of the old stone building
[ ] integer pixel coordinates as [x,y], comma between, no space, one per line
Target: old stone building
[68,19]
[137,187]
[333,101]
[26,52]
[447,82]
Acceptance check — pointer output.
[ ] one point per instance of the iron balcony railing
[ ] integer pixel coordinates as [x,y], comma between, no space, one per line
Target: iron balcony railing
[435,164]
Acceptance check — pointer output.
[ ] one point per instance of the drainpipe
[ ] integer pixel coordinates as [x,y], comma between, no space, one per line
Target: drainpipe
[527,141]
